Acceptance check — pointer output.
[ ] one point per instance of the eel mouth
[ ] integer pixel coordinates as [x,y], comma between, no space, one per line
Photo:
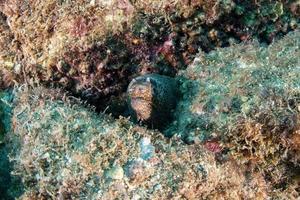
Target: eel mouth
[142,108]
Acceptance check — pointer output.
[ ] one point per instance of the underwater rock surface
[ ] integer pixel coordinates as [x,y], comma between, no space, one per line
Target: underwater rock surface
[10,186]
[244,100]
[67,151]
[239,108]
[90,47]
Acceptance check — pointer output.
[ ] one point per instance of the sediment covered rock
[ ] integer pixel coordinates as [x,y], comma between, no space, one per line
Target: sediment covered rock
[244,100]
[67,151]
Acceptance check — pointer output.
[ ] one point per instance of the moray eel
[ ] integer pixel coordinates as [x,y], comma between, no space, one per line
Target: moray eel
[151,99]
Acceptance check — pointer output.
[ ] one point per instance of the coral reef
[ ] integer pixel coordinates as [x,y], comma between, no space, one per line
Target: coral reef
[67,151]
[94,48]
[245,103]
[238,109]
[73,44]
[7,55]
[151,99]
[193,25]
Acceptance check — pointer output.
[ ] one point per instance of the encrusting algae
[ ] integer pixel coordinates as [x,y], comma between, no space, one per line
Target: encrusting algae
[66,151]
[244,101]
[216,82]
[94,48]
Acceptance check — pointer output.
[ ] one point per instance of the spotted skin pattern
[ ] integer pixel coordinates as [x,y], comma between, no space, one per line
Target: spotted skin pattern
[151,99]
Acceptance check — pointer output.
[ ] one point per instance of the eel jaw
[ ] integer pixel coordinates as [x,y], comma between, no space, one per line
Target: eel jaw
[142,109]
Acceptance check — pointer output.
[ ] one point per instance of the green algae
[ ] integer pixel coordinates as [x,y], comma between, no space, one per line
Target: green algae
[248,98]
[5,110]
[10,186]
